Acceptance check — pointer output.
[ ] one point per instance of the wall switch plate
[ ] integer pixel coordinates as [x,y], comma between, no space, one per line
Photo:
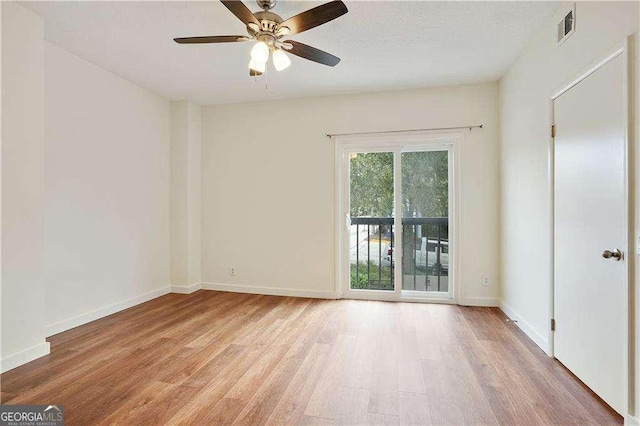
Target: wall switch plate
[485,281]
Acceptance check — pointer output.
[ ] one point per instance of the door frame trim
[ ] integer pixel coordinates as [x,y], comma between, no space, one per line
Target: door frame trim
[619,49]
[394,142]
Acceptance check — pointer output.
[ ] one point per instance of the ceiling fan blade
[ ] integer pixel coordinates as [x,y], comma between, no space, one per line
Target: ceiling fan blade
[314,17]
[312,54]
[254,73]
[210,39]
[241,11]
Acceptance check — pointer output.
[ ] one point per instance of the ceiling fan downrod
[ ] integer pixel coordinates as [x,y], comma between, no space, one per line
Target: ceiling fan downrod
[266,4]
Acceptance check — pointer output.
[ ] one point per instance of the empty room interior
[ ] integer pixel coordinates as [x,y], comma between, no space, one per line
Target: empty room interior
[313,213]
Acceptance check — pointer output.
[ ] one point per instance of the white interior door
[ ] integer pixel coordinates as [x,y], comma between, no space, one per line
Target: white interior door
[590,201]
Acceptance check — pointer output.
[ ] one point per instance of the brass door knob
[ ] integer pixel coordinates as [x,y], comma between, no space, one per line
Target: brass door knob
[616,254]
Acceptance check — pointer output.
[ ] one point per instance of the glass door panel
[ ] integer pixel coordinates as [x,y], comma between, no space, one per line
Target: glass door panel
[371,201]
[425,220]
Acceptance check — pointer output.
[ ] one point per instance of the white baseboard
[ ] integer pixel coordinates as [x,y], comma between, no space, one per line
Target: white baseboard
[28,355]
[76,321]
[480,301]
[630,420]
[182,289]
[271,291]
[537,338]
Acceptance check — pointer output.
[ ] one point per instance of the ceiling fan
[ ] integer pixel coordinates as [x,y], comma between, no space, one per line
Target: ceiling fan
[268,29]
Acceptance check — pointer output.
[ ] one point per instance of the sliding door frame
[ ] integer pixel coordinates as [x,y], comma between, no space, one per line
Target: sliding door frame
[395,143]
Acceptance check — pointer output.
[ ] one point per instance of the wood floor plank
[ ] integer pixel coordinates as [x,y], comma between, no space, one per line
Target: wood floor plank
[353,404]
[414,409]
[128,409]
[572,396]
[266,398]
[428,344]
[162,408]
[316,421]
[200,409]
[442,391]
[410,376]
[488,379]
[298,342]
[443,382]
[360,368]
[374,419]
[471,398]
[210,406]
[517,393]
[384,381]
[325,400]
[68,377]
[259,372]
[291,407]
[223,358]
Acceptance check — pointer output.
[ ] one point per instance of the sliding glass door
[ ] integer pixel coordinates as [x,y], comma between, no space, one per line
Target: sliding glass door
[377,261]
[425,222]
[371,213]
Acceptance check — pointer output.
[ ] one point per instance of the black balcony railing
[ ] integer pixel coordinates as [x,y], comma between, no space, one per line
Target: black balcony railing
[425,262]
[366,273]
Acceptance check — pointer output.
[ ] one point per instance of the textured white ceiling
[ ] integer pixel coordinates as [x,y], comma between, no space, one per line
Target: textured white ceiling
[383,45]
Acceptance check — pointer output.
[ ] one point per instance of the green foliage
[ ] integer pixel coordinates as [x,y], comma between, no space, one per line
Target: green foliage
[425,184]
[372,184]
[360,279]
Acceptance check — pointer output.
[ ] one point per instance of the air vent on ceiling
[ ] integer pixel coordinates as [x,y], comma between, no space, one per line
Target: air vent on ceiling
[567,25]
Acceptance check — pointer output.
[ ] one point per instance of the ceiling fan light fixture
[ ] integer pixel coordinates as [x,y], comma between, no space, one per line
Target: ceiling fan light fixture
[260,52]
[280,60]
[257,67]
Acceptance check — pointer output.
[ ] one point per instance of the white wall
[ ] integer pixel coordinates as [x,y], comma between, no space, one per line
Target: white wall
[106,192]
[186,193]
[0,190]
[269,179]
[179,178]
[525,122]
[194,195]
[23,295]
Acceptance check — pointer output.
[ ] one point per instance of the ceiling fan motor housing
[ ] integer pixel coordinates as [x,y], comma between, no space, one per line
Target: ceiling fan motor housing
[268,21]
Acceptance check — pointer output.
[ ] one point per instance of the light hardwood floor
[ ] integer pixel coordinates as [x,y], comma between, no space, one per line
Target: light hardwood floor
[223,358]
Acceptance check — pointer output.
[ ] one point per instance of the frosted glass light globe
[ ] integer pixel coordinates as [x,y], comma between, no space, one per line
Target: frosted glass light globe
[260,52]
[256,66]
[280,60]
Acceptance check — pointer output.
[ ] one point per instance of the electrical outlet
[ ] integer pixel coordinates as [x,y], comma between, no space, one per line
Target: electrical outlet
[232,271]
[485,280]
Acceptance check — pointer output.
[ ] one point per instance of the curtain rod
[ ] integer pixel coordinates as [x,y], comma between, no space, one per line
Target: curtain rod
[477,126]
